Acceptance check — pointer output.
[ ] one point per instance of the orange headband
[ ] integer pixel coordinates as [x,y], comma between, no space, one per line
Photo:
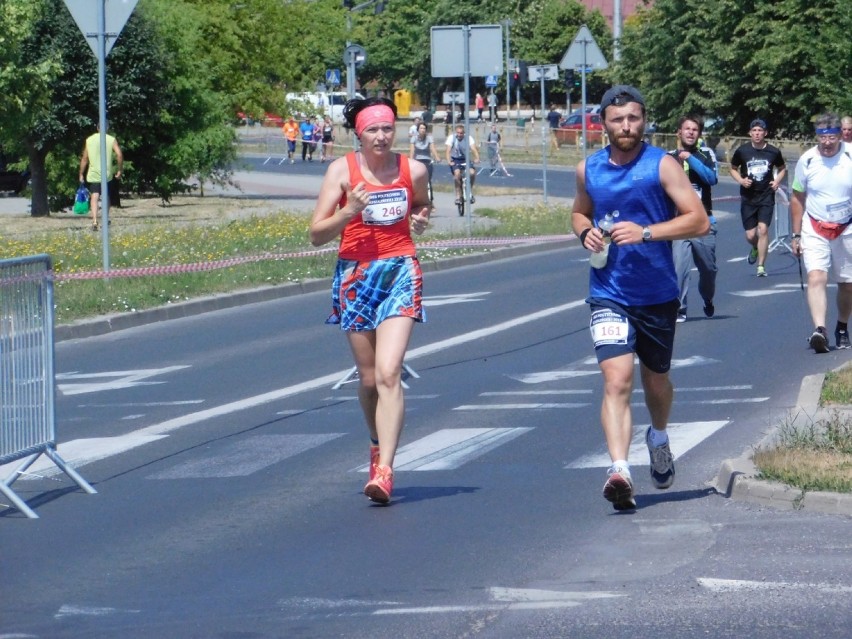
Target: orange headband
[372,115]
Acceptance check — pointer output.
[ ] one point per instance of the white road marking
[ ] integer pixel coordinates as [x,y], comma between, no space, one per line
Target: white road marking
[712,389]
[354,398]
[245,456]
[732,400]
[450,448]
[92,450]
[682,438]
[90,611]
[760,293]
[533,594]
[510,599]
[115,380]
[542,405]
[186,402]
[552,376]
[555,376]
[738,585]
[463,298]
[581,391]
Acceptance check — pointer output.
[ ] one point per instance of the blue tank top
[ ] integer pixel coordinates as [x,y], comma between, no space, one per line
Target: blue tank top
[635,274]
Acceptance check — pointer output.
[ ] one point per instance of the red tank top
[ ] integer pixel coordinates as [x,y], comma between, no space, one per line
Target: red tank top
[382,230]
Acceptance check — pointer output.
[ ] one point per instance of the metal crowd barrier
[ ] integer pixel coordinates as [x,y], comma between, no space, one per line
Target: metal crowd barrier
[27,386]
[781,222]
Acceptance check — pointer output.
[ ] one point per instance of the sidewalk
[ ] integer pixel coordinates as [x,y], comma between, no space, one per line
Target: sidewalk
[300,195]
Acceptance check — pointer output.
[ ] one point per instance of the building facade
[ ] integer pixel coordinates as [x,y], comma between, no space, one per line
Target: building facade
[628,8]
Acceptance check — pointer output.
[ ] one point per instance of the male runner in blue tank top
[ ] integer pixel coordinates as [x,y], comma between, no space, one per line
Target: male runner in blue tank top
[634,296]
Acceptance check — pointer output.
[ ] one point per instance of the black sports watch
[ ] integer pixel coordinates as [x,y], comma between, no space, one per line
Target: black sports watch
[646,234]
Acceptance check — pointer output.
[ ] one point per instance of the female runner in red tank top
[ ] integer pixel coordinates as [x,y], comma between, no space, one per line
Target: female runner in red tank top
[373,199]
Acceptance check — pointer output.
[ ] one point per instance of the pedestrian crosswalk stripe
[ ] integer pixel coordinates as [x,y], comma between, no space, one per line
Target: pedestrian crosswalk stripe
[529,406]
[682,438]
[584,391]
[244,456]
[449,448]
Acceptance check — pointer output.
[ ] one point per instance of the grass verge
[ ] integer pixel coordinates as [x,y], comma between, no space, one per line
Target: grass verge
[816,455]
[160,262]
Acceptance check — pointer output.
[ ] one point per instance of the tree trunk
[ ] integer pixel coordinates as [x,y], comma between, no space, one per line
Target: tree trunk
[38,182]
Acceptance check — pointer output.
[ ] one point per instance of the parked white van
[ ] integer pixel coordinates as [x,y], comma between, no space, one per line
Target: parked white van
[329,103]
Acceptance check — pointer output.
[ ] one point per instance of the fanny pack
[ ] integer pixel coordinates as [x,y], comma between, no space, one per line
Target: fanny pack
[828,230]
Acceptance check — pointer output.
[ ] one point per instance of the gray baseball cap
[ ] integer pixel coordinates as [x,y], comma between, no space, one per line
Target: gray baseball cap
[619,95]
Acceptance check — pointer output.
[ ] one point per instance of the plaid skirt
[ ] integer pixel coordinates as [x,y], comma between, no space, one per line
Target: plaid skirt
[364,294]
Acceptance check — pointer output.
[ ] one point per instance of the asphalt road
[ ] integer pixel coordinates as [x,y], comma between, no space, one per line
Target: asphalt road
[229,473]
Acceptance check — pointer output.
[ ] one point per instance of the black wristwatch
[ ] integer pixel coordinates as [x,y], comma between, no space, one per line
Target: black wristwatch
[646,234]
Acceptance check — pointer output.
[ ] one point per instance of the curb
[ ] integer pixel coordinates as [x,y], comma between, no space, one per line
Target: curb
[121,321]
[738,478]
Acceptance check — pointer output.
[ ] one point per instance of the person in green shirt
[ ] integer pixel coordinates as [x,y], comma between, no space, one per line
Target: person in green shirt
[91,159]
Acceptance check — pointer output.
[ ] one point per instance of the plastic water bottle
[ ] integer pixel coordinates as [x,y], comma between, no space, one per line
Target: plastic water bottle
[598,260]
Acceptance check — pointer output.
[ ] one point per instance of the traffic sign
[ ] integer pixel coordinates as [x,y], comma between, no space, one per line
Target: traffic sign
[450,97]
[491,80]
[481,56]
[583,52]
[355,54]
[332,77]
[543,71]
[85,14]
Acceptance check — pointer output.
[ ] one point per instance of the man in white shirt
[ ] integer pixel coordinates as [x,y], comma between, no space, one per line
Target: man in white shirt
[458,147]
[821,212]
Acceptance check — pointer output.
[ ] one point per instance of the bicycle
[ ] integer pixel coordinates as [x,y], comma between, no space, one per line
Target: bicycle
[461,166]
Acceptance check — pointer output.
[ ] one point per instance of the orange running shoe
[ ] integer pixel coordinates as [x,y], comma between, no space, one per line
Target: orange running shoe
[374,461]
[379,488]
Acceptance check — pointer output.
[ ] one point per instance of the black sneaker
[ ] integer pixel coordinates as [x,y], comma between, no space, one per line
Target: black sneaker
[662,463]
[819,340]
[709,309]
[752,255]
[841,339]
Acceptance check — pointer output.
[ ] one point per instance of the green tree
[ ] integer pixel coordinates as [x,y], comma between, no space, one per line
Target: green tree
[25,84]
[168,119]
[784,60]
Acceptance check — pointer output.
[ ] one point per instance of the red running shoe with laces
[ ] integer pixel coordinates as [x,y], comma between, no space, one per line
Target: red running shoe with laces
[374,461]
[379,488]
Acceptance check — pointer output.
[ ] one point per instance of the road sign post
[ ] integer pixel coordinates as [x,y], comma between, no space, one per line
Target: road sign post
[468,50]
[354,56]
[541,73]
[101,23]
[585,54]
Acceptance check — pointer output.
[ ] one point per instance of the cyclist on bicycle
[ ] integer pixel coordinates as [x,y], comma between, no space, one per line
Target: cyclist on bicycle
[457,150]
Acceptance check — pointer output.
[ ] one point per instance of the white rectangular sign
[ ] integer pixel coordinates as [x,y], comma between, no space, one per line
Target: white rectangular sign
[549,71]
[485,50]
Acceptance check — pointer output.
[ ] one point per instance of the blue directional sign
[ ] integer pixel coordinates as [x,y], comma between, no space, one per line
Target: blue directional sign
[491,80]
[332,76]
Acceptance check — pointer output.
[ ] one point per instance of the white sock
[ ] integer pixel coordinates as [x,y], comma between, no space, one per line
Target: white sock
[620,466]
[658,437]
